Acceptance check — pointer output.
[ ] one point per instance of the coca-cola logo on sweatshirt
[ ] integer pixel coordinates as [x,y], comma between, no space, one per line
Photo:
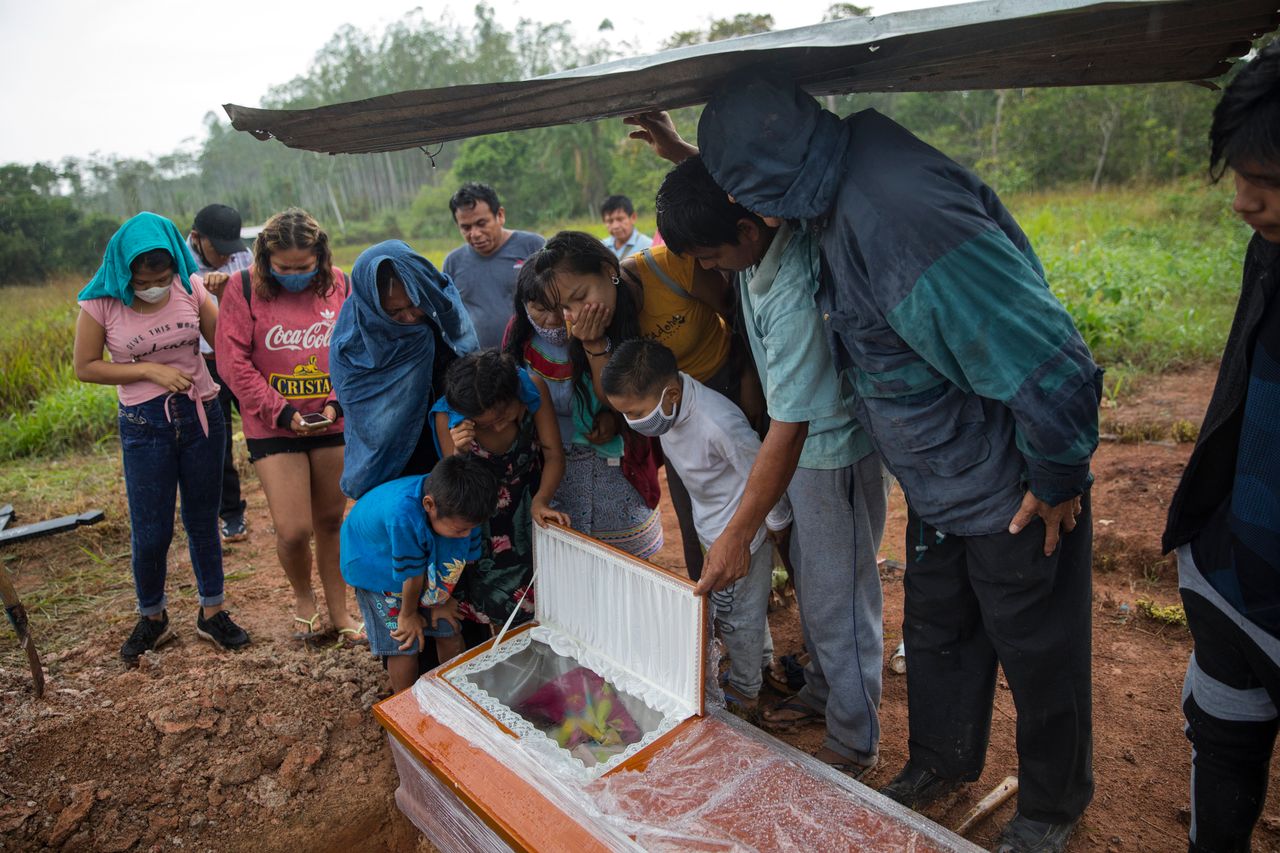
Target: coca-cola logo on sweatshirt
[315,336]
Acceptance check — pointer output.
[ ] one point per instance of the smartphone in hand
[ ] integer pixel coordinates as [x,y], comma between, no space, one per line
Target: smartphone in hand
[315,419]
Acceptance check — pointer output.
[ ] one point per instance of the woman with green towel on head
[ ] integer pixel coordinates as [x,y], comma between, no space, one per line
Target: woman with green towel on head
[148,308]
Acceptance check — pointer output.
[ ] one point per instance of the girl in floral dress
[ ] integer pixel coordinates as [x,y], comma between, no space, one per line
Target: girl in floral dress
[497,412]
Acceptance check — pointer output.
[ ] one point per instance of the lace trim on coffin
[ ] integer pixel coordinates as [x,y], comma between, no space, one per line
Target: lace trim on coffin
[559,760]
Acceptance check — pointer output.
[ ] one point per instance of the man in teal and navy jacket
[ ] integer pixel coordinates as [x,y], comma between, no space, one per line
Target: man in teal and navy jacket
[982,399]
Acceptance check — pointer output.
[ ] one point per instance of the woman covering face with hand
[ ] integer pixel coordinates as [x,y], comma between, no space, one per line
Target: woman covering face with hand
[657,295]
[610,486]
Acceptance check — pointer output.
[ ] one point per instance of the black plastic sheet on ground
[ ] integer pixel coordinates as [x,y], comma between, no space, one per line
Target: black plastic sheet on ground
[985,45]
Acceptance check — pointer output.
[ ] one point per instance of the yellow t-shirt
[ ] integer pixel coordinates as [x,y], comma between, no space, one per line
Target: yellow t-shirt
[690,328]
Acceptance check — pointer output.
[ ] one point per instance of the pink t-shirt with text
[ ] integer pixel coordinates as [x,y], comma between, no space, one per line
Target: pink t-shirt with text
[169,336]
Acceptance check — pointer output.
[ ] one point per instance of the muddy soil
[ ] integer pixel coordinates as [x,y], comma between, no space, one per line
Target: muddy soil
[274,748]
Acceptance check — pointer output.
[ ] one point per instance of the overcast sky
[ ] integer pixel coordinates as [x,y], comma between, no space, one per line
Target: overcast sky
[136,77]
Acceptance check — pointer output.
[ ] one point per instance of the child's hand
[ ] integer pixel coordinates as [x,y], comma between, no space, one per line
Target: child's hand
[445,611]
[542,513]
[409,628]
[464,435]
[604,428]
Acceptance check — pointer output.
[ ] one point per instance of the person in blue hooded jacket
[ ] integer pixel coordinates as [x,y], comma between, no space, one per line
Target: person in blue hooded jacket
[982,399]
[402,326]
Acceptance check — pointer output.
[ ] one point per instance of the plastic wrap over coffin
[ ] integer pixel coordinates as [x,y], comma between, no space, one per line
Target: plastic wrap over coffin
[717,784]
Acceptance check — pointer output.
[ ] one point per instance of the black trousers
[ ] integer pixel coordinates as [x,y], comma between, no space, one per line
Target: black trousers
[232,503]
[974,601]
[1230,701]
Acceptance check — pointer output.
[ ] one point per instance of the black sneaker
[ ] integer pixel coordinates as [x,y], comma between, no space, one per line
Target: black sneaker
[234,529]
[219,629]
[148,634]
[916,787]
[1024,835]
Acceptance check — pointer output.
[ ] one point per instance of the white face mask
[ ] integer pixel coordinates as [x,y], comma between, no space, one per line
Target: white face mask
[656,422]
[152,294]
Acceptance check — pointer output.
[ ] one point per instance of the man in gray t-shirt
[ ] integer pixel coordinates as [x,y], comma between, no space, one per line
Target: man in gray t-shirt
[485,268]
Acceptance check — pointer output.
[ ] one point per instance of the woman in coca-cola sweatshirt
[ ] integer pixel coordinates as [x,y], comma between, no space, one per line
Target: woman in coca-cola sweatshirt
[273,350]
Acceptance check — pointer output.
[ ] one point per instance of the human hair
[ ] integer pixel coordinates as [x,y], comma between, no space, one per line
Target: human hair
[463,487]
[152,260]
[694,212]
[472,193]
[1246,121]
[639,368]
[581,254]
[479,381]
[386,272]
[616,202]
[521,328]
[293,228]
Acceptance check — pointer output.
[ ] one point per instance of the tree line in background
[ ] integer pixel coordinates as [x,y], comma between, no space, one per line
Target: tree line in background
[56,217]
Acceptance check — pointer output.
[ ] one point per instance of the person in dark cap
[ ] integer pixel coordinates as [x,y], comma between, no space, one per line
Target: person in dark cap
[219,251]
[982,398]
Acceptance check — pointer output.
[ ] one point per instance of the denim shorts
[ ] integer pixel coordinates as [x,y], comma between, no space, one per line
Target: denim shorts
[379,610]
[260,448]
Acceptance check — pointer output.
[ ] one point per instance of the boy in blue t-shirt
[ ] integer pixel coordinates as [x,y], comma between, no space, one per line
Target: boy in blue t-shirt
[409,540]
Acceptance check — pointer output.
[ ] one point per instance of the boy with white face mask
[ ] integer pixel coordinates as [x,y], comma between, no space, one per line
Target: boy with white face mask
[710,444]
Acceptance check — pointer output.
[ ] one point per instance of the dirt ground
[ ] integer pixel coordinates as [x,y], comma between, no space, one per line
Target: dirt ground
[274,748]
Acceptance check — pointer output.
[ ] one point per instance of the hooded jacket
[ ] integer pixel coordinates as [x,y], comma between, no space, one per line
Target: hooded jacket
[969,375]
[383,370]
[1210,473]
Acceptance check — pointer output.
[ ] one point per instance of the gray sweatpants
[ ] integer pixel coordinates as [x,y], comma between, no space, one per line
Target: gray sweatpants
[741,611]
[839,521]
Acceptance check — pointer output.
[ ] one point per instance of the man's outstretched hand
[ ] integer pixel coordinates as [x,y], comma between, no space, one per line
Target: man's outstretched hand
[659,133]
[727,561]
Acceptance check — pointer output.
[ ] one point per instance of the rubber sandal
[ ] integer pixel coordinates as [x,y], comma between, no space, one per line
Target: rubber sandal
[851,769]
[350,637]
[806,716]
[792,678]
[310,625]
[741,707]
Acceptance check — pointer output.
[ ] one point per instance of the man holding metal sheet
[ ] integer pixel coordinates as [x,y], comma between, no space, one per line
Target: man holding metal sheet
[982,398]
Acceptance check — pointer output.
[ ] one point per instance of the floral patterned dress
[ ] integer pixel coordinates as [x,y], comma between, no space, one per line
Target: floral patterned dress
[491,588]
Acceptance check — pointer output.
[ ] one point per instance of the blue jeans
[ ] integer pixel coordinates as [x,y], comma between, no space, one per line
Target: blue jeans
[162,457]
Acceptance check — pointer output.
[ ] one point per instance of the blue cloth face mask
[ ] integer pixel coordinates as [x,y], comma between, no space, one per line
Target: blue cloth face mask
[656,422]
[559,336]
[294,282]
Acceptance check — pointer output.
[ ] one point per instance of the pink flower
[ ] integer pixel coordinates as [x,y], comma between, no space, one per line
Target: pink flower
[466,611]
[526,603]
[504,497]
[501,543]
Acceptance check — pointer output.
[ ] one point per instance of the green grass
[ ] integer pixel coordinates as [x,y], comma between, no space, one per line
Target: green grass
[35,341]
[1151,277]
[44,409]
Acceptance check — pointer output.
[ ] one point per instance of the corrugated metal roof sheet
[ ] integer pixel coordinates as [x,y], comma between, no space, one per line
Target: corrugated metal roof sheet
[984,45]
